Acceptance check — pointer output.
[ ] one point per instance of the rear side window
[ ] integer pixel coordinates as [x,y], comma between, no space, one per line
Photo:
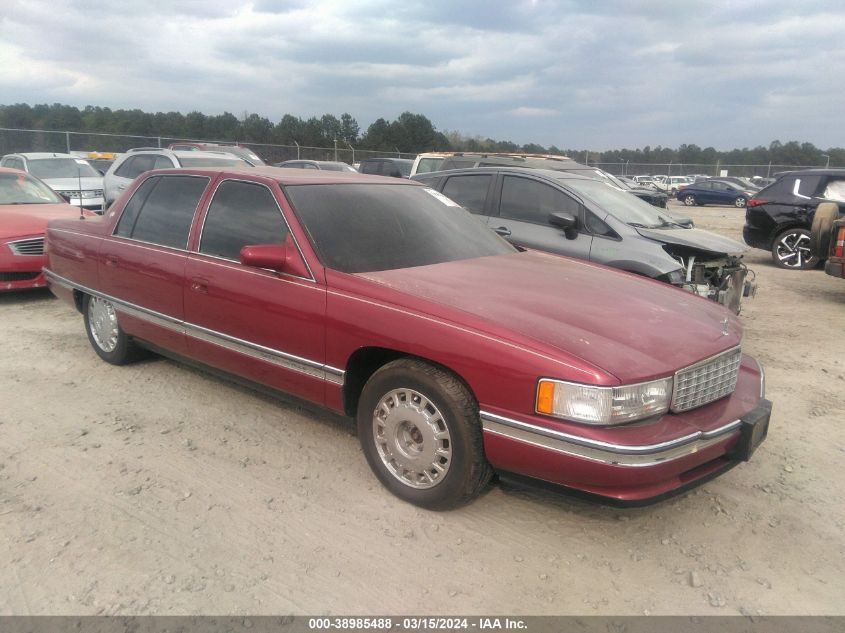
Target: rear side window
[166,214]
[468,191]
[137,165]
[532,201]
[241,214]
[371,166]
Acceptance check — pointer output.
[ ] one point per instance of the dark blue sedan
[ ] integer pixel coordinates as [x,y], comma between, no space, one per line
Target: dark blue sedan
[714,192]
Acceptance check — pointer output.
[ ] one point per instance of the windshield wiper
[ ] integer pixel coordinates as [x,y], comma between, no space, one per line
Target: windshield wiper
[637,225]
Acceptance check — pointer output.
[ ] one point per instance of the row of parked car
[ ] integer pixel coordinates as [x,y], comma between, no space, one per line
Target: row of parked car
[459,353]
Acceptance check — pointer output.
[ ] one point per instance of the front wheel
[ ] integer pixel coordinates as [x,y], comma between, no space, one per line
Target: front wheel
[740,202]
[791,249]
[689,200]
[420,431]
[105,334]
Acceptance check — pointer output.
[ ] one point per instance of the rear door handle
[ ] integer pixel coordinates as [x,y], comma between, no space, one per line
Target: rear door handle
[503,231]
[198,284]
[121,187]
[112,260]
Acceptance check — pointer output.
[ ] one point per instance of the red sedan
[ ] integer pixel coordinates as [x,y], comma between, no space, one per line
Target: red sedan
[26,205]
[458,355]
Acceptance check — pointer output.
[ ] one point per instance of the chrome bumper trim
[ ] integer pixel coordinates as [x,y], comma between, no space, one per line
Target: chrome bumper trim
[605,452]
[254,350]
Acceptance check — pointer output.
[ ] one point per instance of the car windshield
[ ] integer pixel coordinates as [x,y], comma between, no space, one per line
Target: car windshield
[429,164]
[46,168]
[208,161]
[621,205]
[331,166]
[21,189]
[357,228]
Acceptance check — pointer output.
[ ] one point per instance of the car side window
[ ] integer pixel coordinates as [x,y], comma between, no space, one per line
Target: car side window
[835,190]
[241,214]
[162,162]
[468,191]
[167,213]
[707,186]
[532,201]
[135,166]
[309,166]
[597,226]
[130,211]
[371,166]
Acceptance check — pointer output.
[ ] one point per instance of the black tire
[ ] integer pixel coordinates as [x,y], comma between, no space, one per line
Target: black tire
[689,200]
[452,407]
[820,232]
[740,202]
[123,351]
[791,250]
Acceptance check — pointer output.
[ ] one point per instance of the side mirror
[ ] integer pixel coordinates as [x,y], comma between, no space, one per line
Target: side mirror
[567,222]
[687,223]
[282,258]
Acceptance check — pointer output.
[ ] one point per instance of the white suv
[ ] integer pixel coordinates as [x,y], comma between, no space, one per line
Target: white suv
[69,176]
[136,161]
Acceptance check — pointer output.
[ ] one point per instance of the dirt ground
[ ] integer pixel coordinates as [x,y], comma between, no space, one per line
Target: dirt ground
[156,488]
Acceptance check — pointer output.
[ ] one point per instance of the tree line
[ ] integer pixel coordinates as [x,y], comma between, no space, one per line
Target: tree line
[408,133]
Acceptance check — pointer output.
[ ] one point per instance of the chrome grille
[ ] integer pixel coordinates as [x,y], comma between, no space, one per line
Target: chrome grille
[706,381]
[32,246]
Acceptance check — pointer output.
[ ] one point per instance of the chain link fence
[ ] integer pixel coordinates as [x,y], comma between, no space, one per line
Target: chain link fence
[17,140]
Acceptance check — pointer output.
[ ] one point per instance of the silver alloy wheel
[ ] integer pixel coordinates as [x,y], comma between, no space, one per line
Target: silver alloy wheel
[102,321]
[412,438]
[739,202]
[689,201]
[793,250]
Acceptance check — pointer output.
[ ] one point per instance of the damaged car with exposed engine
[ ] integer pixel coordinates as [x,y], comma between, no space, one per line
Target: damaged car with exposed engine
[568,214]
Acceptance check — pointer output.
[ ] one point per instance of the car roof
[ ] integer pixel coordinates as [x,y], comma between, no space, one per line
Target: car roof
[286,176]
[37,155]
[552,174]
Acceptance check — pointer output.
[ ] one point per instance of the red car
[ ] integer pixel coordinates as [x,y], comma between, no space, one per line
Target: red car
[458,354]
[26,205]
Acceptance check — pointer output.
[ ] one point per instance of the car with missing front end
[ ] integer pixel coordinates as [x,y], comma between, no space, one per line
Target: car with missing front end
[381,299]
[568,214]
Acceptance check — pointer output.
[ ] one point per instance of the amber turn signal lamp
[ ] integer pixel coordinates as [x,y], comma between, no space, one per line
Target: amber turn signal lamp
[545,397]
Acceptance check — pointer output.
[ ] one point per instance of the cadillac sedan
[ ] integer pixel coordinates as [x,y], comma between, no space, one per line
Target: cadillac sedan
[458,355]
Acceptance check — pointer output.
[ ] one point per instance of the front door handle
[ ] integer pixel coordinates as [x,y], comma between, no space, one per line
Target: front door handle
[121,187]
[198,284]
[112,261]
[502,230]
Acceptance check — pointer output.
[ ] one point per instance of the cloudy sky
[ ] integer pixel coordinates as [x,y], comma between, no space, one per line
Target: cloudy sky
[581,73]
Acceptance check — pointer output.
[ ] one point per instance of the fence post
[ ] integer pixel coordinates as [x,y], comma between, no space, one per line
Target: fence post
[297,149]
[159,142]
[67,141]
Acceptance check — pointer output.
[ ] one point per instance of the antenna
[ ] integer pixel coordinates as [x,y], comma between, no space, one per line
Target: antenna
[79,178]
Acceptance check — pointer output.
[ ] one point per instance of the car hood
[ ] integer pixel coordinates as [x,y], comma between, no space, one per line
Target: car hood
[22,220]
[698,239]
[631,327]
[72,184]
[646,191]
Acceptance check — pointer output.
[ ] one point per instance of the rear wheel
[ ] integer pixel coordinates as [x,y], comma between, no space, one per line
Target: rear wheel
[419,428]
[740,202]
[689,200]
[791,249]
[104,333]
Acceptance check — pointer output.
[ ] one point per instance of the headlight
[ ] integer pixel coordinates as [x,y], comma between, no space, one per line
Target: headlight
[603,405]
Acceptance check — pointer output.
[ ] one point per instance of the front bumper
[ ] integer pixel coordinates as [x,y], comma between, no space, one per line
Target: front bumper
[634,473]
[20,272]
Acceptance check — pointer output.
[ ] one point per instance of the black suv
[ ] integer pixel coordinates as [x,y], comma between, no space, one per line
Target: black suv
[396,167]
[463,160]
[778,218]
